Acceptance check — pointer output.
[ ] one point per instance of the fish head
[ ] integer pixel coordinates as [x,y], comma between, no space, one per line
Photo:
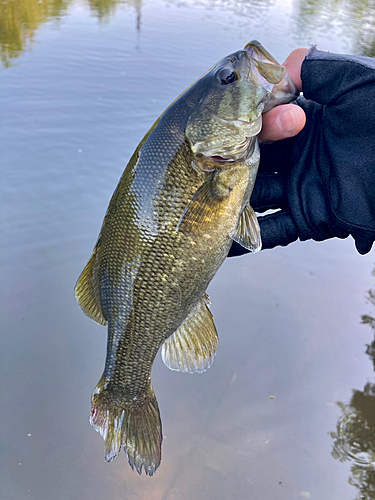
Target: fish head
[222,126]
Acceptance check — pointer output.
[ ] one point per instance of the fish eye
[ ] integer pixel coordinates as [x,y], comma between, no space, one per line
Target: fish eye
[227,76]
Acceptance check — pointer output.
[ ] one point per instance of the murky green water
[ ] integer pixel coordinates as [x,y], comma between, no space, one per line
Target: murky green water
[80,85]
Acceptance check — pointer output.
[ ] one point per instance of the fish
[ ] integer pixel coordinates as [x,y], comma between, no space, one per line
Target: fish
[181,201]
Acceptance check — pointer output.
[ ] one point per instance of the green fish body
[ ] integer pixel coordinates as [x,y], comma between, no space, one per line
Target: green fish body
[181,201]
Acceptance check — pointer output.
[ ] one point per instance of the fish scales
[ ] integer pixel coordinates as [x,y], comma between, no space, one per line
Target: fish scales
[181,201]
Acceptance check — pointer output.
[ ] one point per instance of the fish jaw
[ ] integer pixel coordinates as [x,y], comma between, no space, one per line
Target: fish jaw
[272,76]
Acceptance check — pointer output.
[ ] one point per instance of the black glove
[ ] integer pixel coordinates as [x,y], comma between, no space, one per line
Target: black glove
[323,180]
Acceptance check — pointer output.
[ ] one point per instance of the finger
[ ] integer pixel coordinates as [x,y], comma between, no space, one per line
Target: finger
[282,122]
[276,157]
[236,249]
[363,243]
[277,229]
[293,65]
[270,192]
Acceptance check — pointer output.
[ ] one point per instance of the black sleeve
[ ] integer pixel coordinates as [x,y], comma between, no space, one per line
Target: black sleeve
[323,180]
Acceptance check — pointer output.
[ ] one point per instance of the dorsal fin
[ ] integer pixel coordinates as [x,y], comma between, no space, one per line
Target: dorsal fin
[87,289]
[247,232]
[193,346]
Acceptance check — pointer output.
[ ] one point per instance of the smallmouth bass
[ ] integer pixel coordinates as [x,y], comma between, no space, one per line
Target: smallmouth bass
[181,201]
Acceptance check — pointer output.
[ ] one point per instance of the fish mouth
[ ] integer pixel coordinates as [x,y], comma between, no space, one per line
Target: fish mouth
[266,72]
[263,64]
[255,50]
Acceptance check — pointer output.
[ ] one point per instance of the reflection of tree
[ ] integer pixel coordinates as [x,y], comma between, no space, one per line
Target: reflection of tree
[104,9]
[20,19]
[355,19]
[354,438]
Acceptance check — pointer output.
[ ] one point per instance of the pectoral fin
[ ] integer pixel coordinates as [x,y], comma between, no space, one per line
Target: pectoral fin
[193,346]
[87,290]
[247,232]
[206,201]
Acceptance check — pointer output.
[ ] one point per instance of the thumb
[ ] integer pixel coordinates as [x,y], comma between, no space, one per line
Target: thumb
[282,122]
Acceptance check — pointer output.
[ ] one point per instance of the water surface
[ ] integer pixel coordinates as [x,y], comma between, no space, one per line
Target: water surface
[81,84]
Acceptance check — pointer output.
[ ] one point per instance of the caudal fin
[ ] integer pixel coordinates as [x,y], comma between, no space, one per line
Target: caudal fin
[135,425]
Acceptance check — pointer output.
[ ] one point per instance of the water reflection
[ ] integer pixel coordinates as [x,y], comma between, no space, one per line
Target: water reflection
[343,18]
[249,9]
[104,9]
[354,438]
[20,20]
[352,20]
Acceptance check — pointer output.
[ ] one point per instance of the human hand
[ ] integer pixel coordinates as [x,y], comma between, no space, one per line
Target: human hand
[321,178]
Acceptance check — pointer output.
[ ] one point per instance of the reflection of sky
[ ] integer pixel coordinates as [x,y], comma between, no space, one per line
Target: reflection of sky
[281,23]
[73,110]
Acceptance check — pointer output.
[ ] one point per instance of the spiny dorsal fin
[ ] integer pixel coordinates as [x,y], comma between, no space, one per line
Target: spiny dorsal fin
[87,290]
[193,346]
[247,232]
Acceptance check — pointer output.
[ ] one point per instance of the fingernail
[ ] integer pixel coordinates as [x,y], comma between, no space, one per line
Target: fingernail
[286,121]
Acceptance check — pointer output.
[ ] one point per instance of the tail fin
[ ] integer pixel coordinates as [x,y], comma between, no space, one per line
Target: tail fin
[135,425]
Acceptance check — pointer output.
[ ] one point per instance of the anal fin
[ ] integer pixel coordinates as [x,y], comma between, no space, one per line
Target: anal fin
[192,348]
[247,232]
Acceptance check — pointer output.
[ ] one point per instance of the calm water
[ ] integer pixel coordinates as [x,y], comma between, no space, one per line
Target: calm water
[81,83]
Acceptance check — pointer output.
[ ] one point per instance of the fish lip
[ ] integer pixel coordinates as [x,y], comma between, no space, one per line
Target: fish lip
[254,54]
[256,47]
[278,92]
